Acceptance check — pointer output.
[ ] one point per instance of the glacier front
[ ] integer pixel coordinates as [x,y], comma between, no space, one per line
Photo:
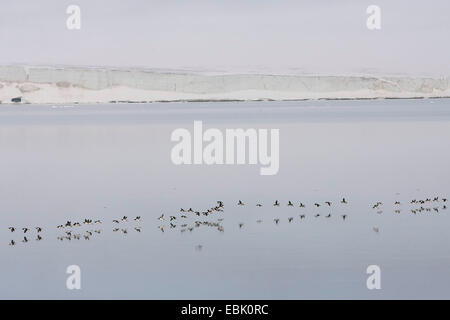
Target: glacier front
[41,84]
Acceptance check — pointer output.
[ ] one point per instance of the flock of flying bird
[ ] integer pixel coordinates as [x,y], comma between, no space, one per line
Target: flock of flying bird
[74,230]
[189,219]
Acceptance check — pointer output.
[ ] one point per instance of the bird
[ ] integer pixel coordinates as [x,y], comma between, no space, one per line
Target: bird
[328,203]
[116,221]
[138,218]
[444,199]
[317,215]
[397,202]
[276,203]
[241,225]
[124,231]
[97,221]
[115,229]
[397,211]
[161,218]
[290,219]
[172,225]
[39,229]
[344,200]
[376,229]
[39,238]
[172,218]
[12,229]
[259,205]
[302,205]
[138,229]
[25,240]
[376,205]
[302,216]
[12,243]
[124,219]
[98,231]
[190,210]
[317,205]
[24,230]
[328,216]
[344,216]
[276,220]
[290,204]
[240,203]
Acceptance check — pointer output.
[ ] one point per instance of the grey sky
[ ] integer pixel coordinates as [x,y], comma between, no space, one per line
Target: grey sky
[311,36]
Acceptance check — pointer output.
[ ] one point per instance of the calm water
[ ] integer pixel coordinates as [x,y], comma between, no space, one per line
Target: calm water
[60,163]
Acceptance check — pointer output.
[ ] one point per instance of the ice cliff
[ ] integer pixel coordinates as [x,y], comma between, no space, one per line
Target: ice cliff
[102,85]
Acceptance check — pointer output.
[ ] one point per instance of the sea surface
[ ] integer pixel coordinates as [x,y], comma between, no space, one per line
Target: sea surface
[62,163]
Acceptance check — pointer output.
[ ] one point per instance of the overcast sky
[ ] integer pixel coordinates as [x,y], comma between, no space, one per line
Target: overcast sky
[313,36]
